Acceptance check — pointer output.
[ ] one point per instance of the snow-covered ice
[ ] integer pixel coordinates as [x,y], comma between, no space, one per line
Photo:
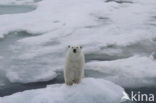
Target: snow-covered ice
[136,71]
[94,20]
[88,91]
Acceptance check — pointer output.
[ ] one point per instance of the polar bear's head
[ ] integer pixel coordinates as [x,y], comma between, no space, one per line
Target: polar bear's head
[75,49]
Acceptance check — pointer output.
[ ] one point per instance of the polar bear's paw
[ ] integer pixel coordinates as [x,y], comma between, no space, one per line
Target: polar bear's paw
[77,81]
[69,83]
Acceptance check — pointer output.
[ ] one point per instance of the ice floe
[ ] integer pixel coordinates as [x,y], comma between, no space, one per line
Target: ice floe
[14,77]
[88,91]
[135,71]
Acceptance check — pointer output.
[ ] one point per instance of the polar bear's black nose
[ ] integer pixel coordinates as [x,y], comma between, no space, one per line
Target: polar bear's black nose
[74,50]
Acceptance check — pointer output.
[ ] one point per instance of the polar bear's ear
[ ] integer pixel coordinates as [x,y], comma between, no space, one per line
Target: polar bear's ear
[80,47]
[68,46]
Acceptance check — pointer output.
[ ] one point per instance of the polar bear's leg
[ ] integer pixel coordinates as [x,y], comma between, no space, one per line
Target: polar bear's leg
[78,76]
[79,71]
[68,76]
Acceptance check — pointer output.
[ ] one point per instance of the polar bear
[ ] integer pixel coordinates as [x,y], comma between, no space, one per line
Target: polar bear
[74,66]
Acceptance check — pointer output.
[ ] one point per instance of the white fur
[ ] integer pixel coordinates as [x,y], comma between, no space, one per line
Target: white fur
[74,70]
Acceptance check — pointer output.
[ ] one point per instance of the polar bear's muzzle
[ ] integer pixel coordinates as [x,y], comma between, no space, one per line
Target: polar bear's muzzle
[74,50]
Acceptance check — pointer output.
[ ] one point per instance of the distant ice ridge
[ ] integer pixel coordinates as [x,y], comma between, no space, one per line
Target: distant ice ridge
[88,91]
[135,71]
[16,2]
